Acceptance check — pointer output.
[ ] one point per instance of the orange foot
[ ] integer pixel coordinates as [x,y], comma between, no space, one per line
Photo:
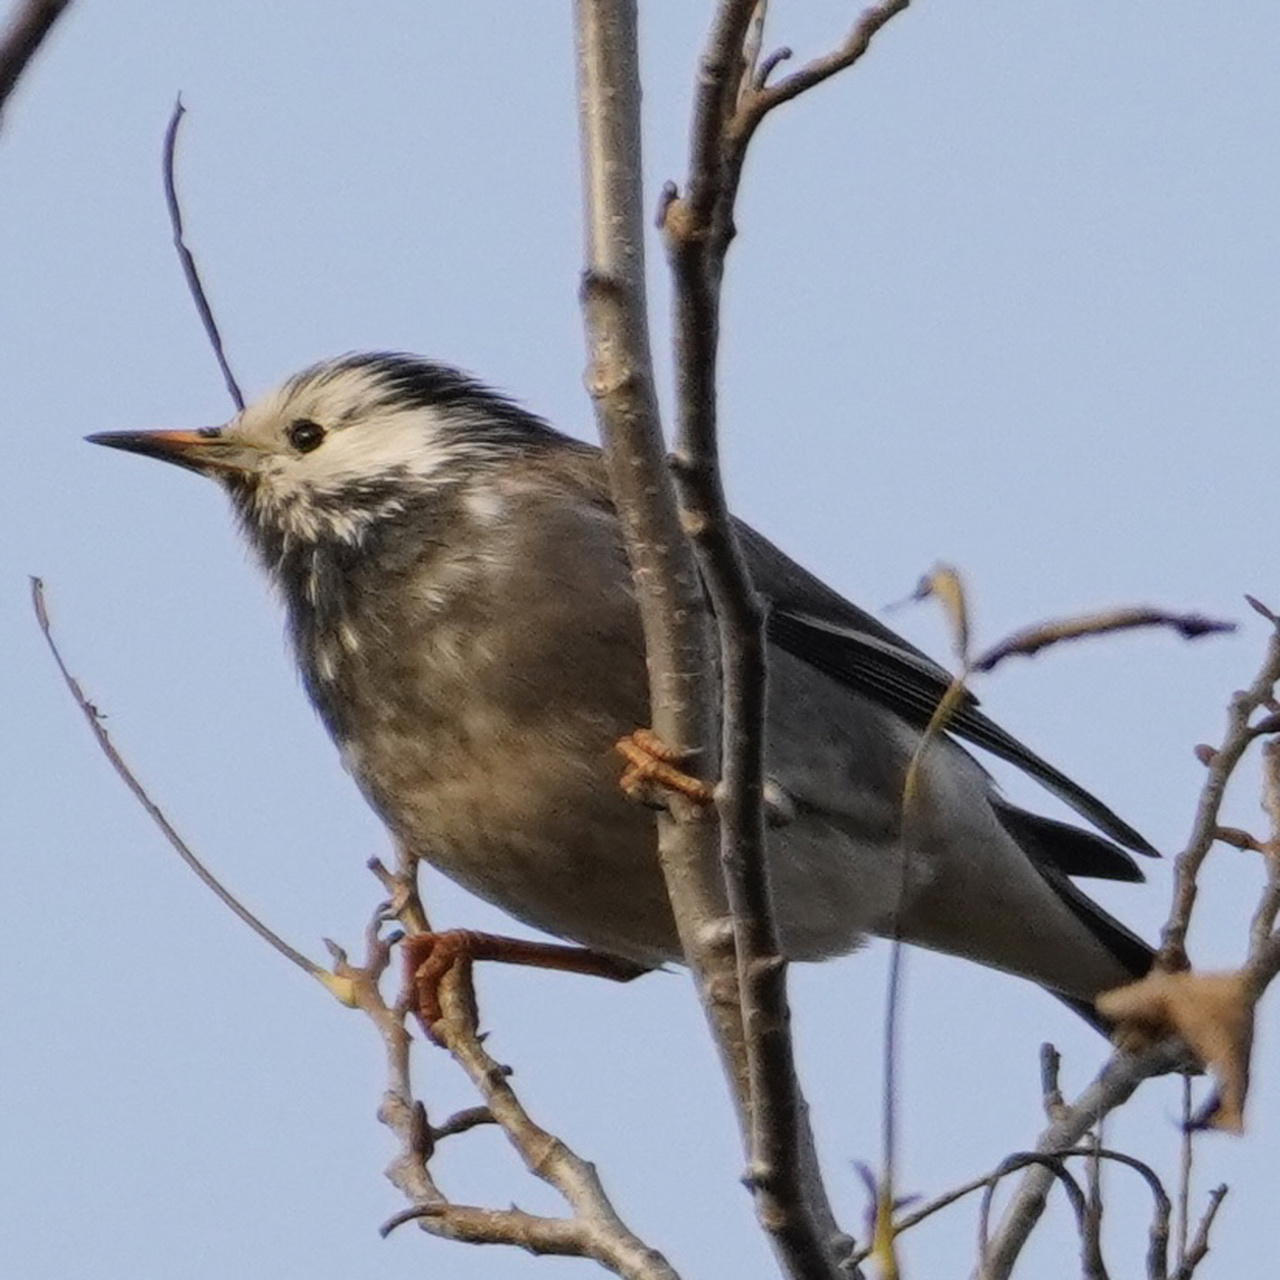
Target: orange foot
[650,763]
[429,956]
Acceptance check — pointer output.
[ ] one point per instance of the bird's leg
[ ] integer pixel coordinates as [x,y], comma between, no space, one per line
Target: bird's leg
[429,956]
[651,763]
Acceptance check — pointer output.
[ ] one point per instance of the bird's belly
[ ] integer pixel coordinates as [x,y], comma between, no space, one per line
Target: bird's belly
[542,832]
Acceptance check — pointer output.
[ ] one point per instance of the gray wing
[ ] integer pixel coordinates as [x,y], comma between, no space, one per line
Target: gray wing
[817,625]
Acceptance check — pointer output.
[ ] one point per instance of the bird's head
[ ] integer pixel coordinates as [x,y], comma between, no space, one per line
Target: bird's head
[346,444]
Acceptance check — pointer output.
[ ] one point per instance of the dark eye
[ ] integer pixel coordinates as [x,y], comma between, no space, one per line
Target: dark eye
[305,435]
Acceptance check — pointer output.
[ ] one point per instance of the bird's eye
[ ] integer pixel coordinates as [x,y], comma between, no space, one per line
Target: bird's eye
[305,435]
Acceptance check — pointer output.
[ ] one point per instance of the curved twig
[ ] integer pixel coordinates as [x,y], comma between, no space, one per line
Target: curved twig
[190,272]
[180,846]
[1052,1164]
[1119,1077]
[1030,640]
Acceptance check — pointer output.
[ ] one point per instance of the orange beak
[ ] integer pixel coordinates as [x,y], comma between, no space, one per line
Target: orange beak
[206,450]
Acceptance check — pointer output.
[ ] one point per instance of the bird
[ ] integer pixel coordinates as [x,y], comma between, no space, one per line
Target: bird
[461,607]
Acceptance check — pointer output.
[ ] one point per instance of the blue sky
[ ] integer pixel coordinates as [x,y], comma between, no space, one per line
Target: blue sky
[1008,295]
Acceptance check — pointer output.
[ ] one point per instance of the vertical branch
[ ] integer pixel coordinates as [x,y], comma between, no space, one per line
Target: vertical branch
[1222,762]
[784,1171]
[672,606]
[790,1199]
[1186,1156]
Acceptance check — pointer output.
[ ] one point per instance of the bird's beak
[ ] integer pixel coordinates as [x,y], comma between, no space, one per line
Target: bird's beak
[209,450]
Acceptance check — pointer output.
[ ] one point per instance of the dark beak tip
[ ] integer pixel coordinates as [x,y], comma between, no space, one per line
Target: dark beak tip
[134,441]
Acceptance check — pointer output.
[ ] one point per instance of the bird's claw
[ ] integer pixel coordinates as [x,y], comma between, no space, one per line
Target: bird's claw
[651,764]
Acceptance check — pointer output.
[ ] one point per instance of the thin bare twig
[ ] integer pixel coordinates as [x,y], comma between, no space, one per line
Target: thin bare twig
[24,33]
[593,1231]
[1199,1249]
[1221,764]
[1052,1167]
[1264,917]
[1123,1073]
[1050,1082]
[1030,640]
[180,846]
[462,1122]
[190,272]
[767,97]
[600,1233]
[1159,1233]
[785,1182]
[1091,1229]
[1186,1156]
[1119,1077]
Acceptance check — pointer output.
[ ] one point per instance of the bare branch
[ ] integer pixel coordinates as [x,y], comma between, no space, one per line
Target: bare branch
[1114,1085]
[1159,1232]
[1031,640]
[1264,917]
[1199,1249]
[208,879]
[1047,1164]
[767,97]
[1186,1160]
[471,1225]
[1221,764]
[673,607]
[1050,1082]
[594,1231]
[783,1172]
[600,1233]
[190,271]
[23,35]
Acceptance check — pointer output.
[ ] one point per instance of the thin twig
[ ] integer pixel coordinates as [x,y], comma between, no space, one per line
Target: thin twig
[190,272]
[1221,764]
[1092,1265]
[1051,1166]
[594,1230]
[600,1233]
[23,35]
[1264,917]
[1030,640]
[538,1235]
[770,96]
[1199,1249]
[1186,1152]
[462,1122]
[1159,1235]
[1119,1077]
[1050,1082]
[180,846]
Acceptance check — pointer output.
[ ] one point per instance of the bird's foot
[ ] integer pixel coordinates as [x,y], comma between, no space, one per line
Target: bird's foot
[651,764]
[429,957]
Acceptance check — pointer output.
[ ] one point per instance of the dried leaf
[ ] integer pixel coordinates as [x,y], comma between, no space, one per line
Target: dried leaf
[343,989]
[1211,1012]
[945,585]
